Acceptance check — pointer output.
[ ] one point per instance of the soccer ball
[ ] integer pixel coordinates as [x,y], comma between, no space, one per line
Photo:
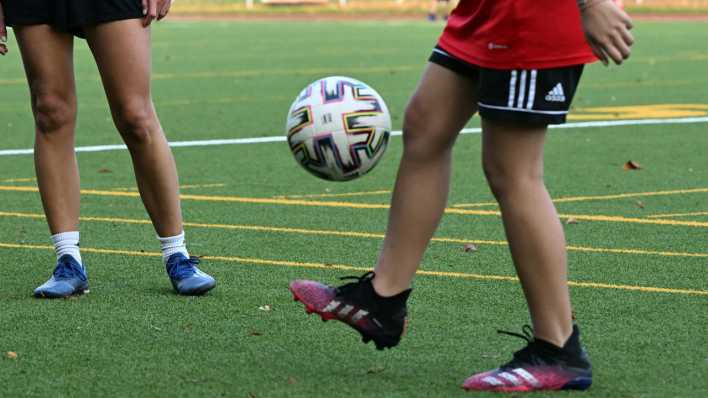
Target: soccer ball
[338,128]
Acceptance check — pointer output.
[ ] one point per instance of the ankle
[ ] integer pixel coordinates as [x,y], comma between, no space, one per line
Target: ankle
[67,243]
[382,289]
[170,245]
[558,336]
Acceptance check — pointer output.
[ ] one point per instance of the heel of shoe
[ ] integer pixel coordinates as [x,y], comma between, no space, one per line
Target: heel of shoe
[578,383]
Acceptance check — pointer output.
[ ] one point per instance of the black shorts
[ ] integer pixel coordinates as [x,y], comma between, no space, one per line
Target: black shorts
[537,96]
[70,16]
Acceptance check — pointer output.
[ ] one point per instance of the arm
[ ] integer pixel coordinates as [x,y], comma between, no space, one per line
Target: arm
[3,33]
[155,9]
[607,29]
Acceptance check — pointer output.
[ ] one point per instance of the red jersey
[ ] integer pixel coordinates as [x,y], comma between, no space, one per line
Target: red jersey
[517,34]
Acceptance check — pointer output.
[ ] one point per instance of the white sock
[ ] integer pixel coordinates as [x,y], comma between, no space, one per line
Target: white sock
[67,243]
[171,245]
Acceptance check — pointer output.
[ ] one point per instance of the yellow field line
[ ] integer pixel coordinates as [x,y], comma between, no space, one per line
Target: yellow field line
[697,213]
[604,197]
[334,195]
[369,235]
[19,180]
[251,73]
[354,205]
[314,265]
[192,186]
[478,204]
[620,219]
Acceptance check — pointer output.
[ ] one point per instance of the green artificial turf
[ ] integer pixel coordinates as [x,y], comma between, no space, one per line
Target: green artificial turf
[131,336]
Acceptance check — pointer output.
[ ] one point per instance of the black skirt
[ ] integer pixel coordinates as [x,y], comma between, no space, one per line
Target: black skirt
[70,16]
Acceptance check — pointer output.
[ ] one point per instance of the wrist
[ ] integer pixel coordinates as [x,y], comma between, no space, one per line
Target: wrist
[583,5]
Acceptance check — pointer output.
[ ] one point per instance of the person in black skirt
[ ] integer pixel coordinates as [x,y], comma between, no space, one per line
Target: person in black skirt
[118,33]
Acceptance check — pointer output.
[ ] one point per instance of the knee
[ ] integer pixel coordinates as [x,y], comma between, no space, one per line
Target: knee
[136,123]
[52,112]
[505,180]
[423,138]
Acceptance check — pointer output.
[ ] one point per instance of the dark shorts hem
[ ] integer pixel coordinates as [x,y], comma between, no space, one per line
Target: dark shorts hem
[506,115]
[531,96]
[441,57]
[70,16]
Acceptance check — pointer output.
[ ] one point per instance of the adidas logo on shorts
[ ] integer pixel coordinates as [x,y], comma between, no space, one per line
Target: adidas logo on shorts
[557,94]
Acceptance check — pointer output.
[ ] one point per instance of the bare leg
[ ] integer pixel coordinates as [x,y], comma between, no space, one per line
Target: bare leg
[513,164]
[440,107]
[122,53]
[47,56]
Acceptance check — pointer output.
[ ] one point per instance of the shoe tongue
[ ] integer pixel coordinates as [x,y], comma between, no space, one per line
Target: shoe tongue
[546,347]
[571,346]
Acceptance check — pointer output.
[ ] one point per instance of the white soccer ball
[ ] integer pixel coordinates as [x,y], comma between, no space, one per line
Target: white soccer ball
[338,128]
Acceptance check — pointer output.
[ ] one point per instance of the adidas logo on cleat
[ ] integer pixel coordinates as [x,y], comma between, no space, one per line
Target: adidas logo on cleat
[557,94]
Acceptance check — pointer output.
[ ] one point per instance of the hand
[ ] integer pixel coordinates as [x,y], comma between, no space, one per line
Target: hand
[164,8]
[3,33]
[607,30]
[155,9]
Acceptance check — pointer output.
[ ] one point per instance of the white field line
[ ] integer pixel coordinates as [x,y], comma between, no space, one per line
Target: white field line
[281,138]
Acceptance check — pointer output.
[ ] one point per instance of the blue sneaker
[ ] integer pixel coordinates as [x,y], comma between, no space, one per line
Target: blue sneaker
[186,278]
[69,278]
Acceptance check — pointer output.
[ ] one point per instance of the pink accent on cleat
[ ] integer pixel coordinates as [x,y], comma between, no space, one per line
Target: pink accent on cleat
[532,378]
[349,305]
[314,295]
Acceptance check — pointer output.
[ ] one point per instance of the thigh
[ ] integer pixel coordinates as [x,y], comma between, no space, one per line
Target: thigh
[48,60]
[513,148]
[122,53]
[516,106]
[445,97]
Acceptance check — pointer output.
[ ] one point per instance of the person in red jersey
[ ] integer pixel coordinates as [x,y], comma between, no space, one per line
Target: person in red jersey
[118,34]
[517,63]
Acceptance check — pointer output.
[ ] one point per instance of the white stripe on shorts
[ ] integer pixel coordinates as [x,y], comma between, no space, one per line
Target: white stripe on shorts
[512,88]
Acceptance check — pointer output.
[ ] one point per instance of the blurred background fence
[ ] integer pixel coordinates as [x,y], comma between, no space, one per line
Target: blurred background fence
[384,7]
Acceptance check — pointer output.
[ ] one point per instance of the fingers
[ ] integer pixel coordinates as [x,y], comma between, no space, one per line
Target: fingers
[164,9]
[621,45]
[627,20]
[150,11]
[614,53]
[607,29]
[3,34]
[627,36]
[599,53]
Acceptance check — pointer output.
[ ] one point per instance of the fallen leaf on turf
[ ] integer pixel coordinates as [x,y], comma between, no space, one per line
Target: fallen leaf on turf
[251,395]
[11,355]
[571,220]
[266,308]
[492,356]
[375,370]
[292,380]
[104,170]
[470,247]
[255,333]
[640,204]
[632,165]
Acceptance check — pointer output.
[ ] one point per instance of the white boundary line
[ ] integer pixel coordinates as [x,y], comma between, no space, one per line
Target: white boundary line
[280,138]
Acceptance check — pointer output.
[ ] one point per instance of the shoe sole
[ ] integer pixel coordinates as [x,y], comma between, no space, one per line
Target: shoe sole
[381,341]
[579,383]
[47,295]
[200,291]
